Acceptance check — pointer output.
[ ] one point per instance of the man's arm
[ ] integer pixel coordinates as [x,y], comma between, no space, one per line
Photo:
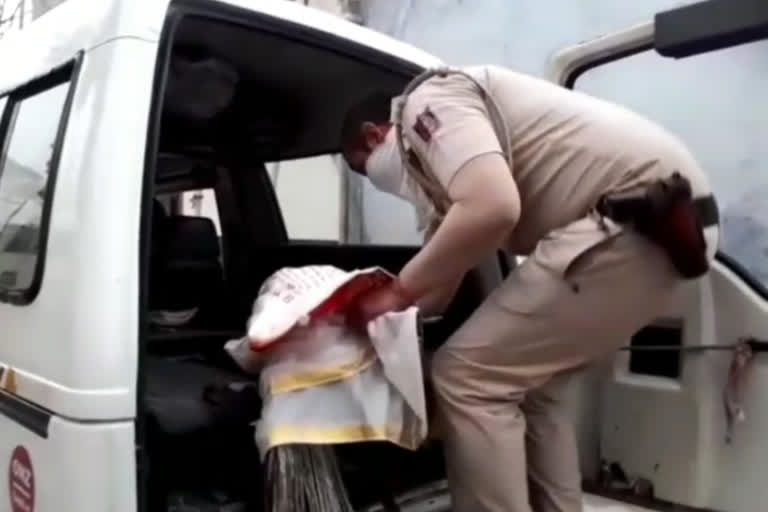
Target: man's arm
[437,301]
[485,210]
[450,130]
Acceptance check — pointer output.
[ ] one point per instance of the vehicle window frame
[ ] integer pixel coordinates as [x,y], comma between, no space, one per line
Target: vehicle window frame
[726,260]
[274,169]
[351,213]
[67,73]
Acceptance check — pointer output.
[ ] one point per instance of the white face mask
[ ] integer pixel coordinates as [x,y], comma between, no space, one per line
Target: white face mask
[384,167]
[387,173]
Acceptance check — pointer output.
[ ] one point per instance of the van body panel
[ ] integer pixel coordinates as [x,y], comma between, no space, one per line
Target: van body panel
[81,363]
[674,431]
[59,34]
[82,467]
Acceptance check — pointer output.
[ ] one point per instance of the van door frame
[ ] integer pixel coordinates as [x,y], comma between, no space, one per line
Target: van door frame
[678,33]
[253,20]
[708,33]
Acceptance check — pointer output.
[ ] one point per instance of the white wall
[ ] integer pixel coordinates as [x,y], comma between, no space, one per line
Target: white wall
[309,191]
[333,6]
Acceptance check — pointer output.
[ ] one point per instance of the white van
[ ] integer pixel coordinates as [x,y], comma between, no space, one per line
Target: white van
[114,305]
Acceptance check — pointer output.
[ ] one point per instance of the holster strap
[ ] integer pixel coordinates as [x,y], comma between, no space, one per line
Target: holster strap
[707,210]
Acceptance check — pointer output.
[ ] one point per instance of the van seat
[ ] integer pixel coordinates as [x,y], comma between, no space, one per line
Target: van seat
[186,396]
[186,358]
[199,435]
[186,271]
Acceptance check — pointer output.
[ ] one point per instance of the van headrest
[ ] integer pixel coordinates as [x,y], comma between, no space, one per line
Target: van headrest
[186,270]
[191,238]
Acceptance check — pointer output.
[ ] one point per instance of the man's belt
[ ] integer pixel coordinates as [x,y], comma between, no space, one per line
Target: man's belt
[706,209]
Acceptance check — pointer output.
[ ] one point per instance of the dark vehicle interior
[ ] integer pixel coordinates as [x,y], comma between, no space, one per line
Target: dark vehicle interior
[283,95]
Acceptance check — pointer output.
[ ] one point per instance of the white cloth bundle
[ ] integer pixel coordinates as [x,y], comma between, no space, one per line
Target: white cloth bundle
[323,382]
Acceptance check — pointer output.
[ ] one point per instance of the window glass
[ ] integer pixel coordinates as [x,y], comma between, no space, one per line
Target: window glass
[322,199]
[716,104]
[309,191]
[388,219]
[26,166]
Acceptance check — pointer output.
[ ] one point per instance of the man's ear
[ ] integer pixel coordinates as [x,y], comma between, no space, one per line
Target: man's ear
[373,135]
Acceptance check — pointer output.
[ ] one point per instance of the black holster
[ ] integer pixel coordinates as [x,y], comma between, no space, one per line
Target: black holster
[666,213]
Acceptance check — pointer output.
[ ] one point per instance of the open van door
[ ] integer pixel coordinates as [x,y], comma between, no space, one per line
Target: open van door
[701,71]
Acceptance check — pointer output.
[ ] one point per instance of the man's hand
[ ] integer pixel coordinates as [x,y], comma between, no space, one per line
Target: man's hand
[380,301]
[438,300]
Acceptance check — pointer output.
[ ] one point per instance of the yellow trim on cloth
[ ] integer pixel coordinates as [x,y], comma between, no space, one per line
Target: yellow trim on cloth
[318,377]
[292,434]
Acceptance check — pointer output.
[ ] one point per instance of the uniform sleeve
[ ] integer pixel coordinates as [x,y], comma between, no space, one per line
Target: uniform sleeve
[447,131]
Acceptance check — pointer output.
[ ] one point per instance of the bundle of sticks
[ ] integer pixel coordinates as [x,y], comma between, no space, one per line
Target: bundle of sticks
[304,478]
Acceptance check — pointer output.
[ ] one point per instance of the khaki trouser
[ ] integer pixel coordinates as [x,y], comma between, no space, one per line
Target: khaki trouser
[498,381]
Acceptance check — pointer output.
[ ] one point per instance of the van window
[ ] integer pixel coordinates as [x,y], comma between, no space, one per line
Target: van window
[25,167]
[309,192]
[321,199]
[724,121]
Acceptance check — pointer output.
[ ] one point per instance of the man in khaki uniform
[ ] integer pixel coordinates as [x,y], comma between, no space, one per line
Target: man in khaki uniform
[587,284]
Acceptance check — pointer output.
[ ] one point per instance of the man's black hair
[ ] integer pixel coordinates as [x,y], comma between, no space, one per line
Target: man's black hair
[374,107]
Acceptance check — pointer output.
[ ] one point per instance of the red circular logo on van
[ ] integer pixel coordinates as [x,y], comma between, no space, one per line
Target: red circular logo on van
[21,481]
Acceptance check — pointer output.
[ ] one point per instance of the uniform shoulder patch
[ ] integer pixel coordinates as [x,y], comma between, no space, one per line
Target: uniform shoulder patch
[426,124]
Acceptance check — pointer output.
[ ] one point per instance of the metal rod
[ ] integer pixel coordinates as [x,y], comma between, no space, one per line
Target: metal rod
[689,348]
[755,345]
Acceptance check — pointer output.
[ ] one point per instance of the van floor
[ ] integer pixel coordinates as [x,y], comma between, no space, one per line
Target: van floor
[591,504]
[594,503]
[435,498]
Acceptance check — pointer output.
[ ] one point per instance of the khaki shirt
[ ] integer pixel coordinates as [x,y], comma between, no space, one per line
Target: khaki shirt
[567,148]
